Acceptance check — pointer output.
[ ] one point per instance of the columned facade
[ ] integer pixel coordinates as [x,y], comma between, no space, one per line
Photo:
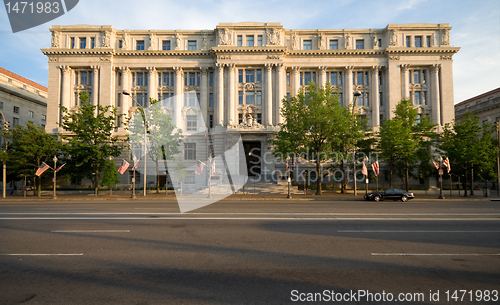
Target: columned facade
[237,75]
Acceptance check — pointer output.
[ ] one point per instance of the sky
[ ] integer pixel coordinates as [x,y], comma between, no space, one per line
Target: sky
[475,27]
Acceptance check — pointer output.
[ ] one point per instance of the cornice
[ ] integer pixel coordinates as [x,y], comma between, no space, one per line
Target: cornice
[437,50]
[161,53]
[332,53]
[261,50]
[58,51]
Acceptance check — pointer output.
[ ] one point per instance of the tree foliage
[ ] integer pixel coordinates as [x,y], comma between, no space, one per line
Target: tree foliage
[89,138]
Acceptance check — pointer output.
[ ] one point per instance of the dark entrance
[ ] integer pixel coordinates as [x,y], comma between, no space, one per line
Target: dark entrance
[253,157]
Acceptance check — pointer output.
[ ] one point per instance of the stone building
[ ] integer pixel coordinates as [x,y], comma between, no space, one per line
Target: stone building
[237,74]
[486,106]
[22,100]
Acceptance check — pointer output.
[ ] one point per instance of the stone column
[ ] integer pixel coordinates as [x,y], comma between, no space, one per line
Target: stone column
[296,80]
[374,92]
[406,81]
[66,86]
[152,85]
[322,76]
[435,102]
[178,97]
[269,95]
[232,90]
[204,95]
[348,87]
[281,86]
[95,85]
[219,102]
[126,99]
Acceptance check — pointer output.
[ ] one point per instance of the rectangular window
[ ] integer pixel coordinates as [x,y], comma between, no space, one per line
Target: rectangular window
[120,44]
[211,79]
[428,39]
[16,109]
[334,44]
[259,118]
[16,121]
[139,79]
[340,98]
[240,41]
[250,76]
[211,121]
[83,42]
[360,44]
[140,45]
[259,41]
[380,43]
[211,100]
[92,42]
[307,78]
[72,42]
[192,79]
[190,178]
[192,45]
[288,78]
[165,45]
[333,78]
[190,151]
[416,98]
[44,117]
[240,76]
[240,118]
[424,101]
[250,98]
[380,99]
[140,99]
[31,114]
[258,101]
[83,78]
[240,97]
[359,78]
[249,41]
[418,41]
[416,77]
[192,123]
[259,75]
[307,45]
[407,41]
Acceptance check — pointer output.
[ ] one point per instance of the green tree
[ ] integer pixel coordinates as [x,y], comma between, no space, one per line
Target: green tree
[109,175]
[405,140]
[30,146]
[89,138]
[162,135]
[469,146]
[315,124]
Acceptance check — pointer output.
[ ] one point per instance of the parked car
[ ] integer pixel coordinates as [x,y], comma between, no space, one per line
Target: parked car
[390,194]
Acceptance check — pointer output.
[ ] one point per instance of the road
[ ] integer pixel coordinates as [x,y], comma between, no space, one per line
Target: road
[255,252]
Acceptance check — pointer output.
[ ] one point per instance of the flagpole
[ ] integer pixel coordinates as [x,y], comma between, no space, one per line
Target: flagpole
[133,184]
[210,177]
[54,196]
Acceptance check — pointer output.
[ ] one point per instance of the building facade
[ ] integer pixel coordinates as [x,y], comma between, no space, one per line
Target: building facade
[22,100]
[486,106]
[237,74]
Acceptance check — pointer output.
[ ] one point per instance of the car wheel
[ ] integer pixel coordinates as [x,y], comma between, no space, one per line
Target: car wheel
[376,198]
[404,199]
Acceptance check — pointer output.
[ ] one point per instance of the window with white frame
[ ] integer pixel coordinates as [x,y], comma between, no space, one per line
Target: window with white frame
[334,78]
[307,77]
[239,40]
[83,84]
[189,151]
[165,46]
[83,42]
[307,45]
[190,178]
[31,114]
[249,76]
[334,44]
[192,45]
[16,109]
[418,86]
[249,40]
[360,44]
[192,79]
[360,82]
[259,41]
[191,122]
[139,45]
[418,41]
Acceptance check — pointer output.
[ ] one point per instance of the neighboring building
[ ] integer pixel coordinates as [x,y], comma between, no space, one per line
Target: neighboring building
[240,72]
[486,106]
[22,100]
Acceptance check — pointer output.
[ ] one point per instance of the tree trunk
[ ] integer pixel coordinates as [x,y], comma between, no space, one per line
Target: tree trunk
[465,182]
[96,182]
[157,178]
[406,174]
[390,173]
[472,179]
[318,177]
[343,181]
[39,187]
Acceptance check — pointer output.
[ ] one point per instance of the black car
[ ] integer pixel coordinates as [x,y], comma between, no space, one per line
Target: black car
[390,194]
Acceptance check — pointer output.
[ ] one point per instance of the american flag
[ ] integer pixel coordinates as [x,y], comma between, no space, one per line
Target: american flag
[213,167]
[123,167]
[447,164]
[364,170]
[375,168]
[59,168]
[42,169]
[199,167]
[435,164]
[136,162]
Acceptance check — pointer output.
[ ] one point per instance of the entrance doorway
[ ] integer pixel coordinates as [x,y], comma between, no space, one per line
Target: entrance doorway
[253,157]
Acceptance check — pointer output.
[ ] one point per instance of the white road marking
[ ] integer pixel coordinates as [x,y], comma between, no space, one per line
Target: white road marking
[42,254]
[252,218]
[91,231]
[435,254]
[311,214]
[409,231]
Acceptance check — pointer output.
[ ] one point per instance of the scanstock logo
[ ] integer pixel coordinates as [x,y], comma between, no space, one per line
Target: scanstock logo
[213,168]
[24,15]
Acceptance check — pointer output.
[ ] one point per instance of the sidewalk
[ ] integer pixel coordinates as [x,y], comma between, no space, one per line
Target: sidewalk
[152,196]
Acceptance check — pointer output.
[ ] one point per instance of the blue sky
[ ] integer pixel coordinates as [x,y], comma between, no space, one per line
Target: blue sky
[476,27]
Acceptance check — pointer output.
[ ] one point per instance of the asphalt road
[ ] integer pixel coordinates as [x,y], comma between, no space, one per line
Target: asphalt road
[257,252]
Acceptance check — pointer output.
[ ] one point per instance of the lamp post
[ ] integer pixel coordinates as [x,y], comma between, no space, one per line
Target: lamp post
[210,176]
[54,196]
[125,92]
[366,176]
[4,166]
[356,94]
[289,196]
[440,159]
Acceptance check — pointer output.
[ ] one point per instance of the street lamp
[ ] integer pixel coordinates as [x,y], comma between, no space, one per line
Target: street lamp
[54,196]
[125,92]
[289,196]
[440,159]
[4,173]
[356,94]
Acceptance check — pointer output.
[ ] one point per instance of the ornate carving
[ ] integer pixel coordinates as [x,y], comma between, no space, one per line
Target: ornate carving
[224,57]
[446,57]
[53,59]
[178,70]
[347,40]
[177,41]
[95,70]
[321,43]
[125,42]
[375,41]
[394,57]
[295,41]
[204,43]
[65,69]
[125,70]
[106,39]
[151,70]
[405,67]
[220,67]
[152,42]
[435,68]
[55,39]
[269,67]
[273,37]
[249,87]
[249,118]
[105,59]
[349,69]
[225,37]
[445,37]
[295,69]
[273,57]
[393,40]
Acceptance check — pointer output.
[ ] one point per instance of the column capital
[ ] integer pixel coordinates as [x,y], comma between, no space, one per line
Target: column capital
[204,70]
[349,68]
[95,68]
[279,65]
[405,67]
[65,69]
[231,67]
[322,69]
[125,70]
[178,70]
[220,66]
[376,69]
[295,69]
[435,68]
[151,70]
[269,67]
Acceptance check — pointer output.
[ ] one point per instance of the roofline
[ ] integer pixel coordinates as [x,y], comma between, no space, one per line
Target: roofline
[23,79]
[478,97]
